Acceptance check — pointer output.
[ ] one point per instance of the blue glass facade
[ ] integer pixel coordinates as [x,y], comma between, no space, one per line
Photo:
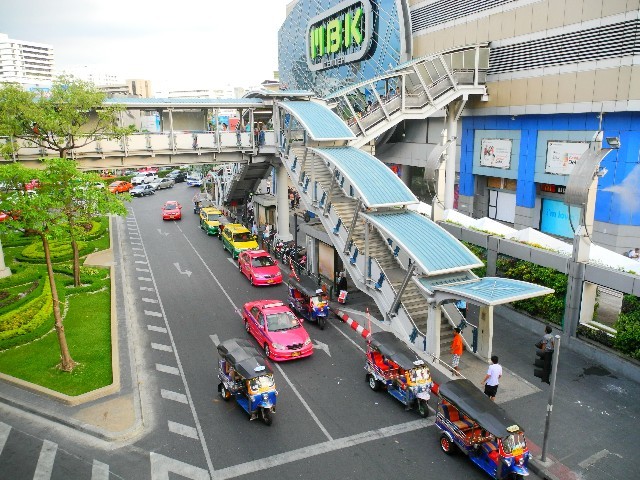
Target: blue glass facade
[385,51]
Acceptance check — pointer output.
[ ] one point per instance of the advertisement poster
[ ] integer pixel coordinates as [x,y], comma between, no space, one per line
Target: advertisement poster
[325,260]
[562,156]
[554,218]
[495,152]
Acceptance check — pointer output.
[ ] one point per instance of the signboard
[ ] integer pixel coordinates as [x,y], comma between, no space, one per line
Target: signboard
[547,187]
[495,152]
[563,156]
[339,35]
[325,260]
[554,218]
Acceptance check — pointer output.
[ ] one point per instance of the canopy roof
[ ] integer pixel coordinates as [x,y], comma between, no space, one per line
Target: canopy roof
[320,122]
[494,290]
[372,180]
[395,349]
[244,358]
[465,396]
[434,250]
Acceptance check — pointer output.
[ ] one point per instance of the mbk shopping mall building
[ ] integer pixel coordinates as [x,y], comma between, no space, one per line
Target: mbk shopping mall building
[558,69]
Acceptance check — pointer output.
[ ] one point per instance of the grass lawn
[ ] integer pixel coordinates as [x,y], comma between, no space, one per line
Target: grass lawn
[88,331]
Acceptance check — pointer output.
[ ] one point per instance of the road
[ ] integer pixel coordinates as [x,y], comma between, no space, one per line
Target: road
[183,293]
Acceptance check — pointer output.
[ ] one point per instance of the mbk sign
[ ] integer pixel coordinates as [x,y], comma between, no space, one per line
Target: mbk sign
[339,35]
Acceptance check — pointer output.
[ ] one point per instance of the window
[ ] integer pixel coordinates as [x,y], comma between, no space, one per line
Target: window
[502,206]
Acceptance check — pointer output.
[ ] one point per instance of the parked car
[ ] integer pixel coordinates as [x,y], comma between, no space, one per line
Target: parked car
[178,176]
[141,178]
[142,190]
[276,328]
[259,267]
[210,218]
[237,238]
[172,210]
[161,183]
[120,187]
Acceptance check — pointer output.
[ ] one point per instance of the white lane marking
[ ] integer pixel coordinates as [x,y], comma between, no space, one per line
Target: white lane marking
[167,369]
[4,434]
[159,346]
[137,249]
[142,262]
[347,337]
[138,269]
[586,463]
[186,272]
[139,255]
[150,300]
[233,262]
[235,307]
[153,328]
[144,279]
[45,461]
[147,289]
[304,403]
[184,430]
[99,471]
[135,243]
[152,314]
[215,340]
[320,449]
[203,442]
[322,346]
[161,466]
[175,396]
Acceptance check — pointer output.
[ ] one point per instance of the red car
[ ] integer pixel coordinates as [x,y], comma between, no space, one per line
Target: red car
[120,187]
[277,329]
[259,267]
[171,210]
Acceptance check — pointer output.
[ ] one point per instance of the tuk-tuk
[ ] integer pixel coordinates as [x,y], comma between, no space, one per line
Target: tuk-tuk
[309,301]
[201,199]
[393,365]
[471,422]
[244,375]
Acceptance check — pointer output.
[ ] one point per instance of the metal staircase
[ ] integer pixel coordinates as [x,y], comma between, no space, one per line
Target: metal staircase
[246,181]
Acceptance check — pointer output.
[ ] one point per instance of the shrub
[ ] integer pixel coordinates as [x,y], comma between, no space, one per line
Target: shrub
[481,253]
[628,327]
[27,318]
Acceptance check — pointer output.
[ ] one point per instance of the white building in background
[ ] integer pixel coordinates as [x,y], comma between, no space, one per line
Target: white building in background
[91,73]
[28,63]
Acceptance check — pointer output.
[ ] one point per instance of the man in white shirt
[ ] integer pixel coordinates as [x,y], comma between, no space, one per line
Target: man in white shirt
[492,378]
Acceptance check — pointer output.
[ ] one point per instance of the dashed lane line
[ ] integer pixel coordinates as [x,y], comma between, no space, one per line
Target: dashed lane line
[175,396]
[153,328]
[144,279]
[151,313]
[184,430]
[147,289]
[150,300]
[161,347]
[167,369]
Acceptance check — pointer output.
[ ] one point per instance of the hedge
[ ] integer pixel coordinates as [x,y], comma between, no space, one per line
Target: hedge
[628,327]
[27,319]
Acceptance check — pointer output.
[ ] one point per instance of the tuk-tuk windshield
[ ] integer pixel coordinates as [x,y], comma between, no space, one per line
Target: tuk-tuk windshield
[259,383]
[282,321]
[513,442]
[264,261]
[242,237]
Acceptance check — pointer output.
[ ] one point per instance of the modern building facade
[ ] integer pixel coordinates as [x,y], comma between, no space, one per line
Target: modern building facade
[28,63]
[560,70]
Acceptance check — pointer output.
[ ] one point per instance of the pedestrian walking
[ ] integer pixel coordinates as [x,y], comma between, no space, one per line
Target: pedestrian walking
[492,378]
[239,134]
[456,349]
[292,199]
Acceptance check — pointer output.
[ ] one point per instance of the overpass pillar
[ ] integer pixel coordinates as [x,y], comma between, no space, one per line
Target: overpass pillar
[4,271]
[485,332]
[450,166]
[282,204]
[434,318]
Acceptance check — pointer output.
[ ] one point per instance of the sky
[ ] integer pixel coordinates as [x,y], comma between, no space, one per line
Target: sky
[177,44]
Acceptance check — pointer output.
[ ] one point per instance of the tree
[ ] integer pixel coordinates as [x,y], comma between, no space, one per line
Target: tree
[69,116]
[81,198]
[38,214]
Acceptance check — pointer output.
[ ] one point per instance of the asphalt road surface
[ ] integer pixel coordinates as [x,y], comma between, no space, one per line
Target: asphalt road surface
[182,295]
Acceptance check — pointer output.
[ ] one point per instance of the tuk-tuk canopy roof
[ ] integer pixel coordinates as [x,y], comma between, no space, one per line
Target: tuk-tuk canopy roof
[395,350]
[305,285]
[464,395]
[243,357]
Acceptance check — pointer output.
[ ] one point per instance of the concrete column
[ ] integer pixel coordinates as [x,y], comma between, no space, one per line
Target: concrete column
[485,332]
[588,303]
[282,204]
[434,317]
[437,207]
[573,300]
[492,255]
[450,167]
[405,174]
[4,271]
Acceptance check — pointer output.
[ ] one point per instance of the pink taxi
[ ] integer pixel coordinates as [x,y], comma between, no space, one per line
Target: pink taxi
[277,330]
[259,267]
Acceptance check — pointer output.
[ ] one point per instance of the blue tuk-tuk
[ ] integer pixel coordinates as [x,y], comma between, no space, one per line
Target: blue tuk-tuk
[393,365]
[472,423]
[244,375]
[309,301]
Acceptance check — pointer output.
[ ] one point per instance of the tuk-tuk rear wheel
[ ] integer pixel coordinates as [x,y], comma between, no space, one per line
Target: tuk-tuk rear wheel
[373,383]
[224,393]
[322,322]
[266,416]
[446,445]
[423,408]
[516,476]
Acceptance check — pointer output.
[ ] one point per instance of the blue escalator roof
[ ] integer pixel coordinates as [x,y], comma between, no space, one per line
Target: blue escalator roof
[374,181]
[496,291]
[319,121]
[434,250]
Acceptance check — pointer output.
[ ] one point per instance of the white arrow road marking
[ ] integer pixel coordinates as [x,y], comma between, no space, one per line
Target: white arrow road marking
[186,272]
[322,346]
[595,457]
[161,466]
[163,233]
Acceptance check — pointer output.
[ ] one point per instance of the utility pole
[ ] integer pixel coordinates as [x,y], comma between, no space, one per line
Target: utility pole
[554,371]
